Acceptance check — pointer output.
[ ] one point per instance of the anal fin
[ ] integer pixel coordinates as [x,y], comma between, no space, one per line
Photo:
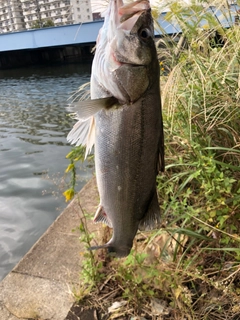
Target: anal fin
[151,220]
[101,216]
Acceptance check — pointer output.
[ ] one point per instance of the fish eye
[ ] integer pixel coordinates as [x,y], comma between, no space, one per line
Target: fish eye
[145,33]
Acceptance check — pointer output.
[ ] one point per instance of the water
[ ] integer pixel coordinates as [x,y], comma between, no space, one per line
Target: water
[33,129]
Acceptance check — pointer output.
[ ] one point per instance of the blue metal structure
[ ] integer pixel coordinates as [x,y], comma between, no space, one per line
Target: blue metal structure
[76,34]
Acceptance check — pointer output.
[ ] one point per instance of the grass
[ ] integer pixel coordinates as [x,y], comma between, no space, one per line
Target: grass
[190,267]
[201,100]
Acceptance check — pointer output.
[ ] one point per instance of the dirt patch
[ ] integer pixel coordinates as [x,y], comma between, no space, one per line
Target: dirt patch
[78,312]
[164,292]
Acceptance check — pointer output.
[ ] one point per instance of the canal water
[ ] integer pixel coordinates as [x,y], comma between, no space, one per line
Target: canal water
[33,129]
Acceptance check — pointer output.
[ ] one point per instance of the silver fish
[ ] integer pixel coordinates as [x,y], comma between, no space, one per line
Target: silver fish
[124,120]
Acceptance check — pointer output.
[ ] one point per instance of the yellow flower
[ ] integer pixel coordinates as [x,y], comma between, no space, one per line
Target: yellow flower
[68,194]
[69,154]
[70,166]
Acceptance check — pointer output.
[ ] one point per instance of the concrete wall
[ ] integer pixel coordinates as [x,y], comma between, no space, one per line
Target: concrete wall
[68,54]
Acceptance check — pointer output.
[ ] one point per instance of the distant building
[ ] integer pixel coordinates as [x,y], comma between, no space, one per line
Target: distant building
[81,11]
[97,16]
[11,17]
[16,15]
[38,11]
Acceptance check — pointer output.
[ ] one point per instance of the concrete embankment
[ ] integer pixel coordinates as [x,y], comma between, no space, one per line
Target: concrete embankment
[40,286]
[45,56]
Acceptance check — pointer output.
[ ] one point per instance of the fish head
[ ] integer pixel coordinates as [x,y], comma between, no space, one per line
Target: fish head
[125,51]
[133,40]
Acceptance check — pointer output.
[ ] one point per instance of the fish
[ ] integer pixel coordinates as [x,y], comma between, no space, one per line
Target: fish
[123,120]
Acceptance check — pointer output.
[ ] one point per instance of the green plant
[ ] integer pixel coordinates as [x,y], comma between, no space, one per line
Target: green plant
[42,24]
[201,100]
[134,276]
[91,268]
[78,153]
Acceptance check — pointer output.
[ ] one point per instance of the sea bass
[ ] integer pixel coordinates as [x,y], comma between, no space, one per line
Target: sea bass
[124,120]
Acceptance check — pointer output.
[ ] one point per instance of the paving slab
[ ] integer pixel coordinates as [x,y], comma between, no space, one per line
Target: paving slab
[40,286]
[25,296]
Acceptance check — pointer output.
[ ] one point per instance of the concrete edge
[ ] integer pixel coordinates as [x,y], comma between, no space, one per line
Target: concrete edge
[40,285]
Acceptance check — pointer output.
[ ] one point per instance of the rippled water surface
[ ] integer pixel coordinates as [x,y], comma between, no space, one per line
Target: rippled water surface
[33,129]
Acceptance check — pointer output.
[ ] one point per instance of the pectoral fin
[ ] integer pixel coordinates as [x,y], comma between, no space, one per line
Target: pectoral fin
[83,132]
[87,108]
[151,220]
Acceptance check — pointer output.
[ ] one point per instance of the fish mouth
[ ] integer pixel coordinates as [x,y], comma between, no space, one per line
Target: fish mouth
[127,11]
[124,53]
[132,19]
[126,14]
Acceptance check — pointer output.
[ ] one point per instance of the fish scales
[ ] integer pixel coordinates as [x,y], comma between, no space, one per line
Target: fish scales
[126,166]
[127,121]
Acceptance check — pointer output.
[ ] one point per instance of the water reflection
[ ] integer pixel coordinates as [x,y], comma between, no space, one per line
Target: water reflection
[33,129]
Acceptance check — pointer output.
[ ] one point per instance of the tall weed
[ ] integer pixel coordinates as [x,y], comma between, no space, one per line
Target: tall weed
[201,103]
